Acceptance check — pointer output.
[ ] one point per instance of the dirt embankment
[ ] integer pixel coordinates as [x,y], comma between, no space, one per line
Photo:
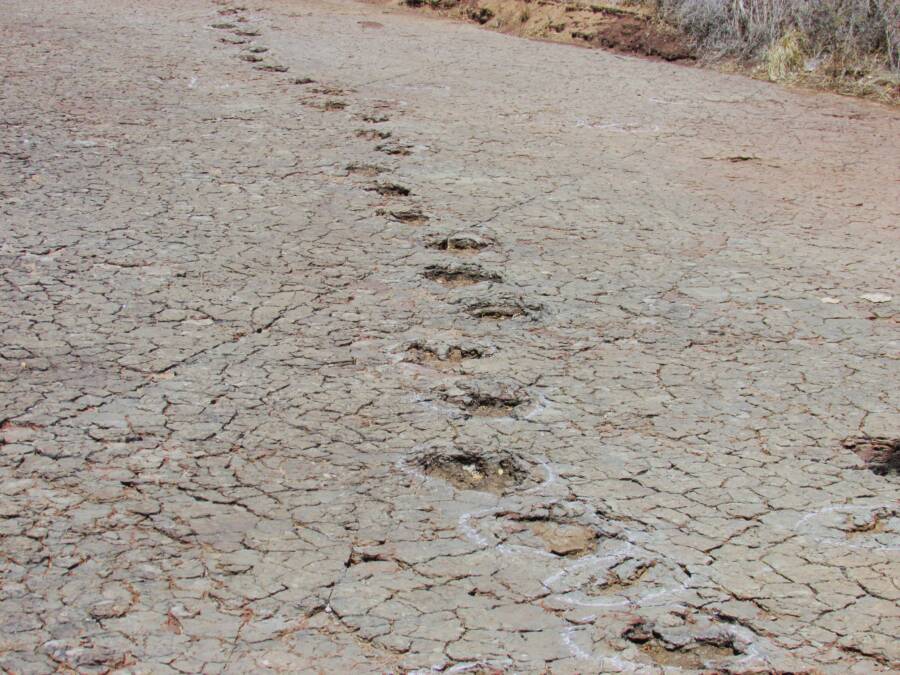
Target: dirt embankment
[623,29]
[636,29]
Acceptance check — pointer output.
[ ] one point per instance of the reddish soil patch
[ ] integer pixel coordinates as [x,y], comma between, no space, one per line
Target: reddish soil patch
[635,35]
[619,29]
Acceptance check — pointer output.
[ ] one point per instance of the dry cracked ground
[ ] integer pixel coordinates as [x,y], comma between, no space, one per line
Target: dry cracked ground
[338,339]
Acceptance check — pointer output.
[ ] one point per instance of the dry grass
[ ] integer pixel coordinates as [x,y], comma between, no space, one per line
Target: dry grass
[785,58]
[852,46]
[828,26]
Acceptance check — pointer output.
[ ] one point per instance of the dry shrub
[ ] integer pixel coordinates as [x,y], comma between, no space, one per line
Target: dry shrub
[785,57]
[839,30]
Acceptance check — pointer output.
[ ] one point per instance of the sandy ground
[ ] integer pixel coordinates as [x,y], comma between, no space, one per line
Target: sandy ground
[474,354]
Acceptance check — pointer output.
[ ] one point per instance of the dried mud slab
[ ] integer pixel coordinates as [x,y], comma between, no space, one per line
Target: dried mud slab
[686,647]
[884,520]
[563,529]
[456,275]
[872,527]
[621,576]
[487,397]
[496,471]
[622,573]
[563,539]
[880,454]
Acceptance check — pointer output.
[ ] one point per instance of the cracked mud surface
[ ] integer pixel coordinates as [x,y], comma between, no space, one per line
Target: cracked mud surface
[221,355]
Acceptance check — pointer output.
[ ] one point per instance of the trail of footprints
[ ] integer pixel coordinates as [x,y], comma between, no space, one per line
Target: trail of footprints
[586,562]
[240,33]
